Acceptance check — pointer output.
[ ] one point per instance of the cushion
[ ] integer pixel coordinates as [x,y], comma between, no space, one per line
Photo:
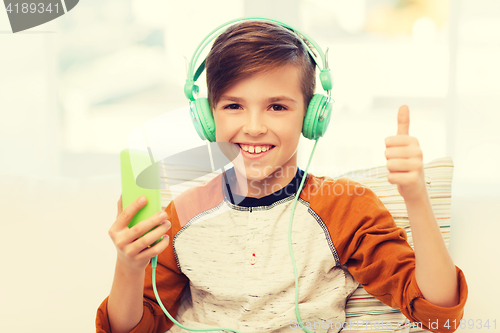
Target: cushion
[363,308]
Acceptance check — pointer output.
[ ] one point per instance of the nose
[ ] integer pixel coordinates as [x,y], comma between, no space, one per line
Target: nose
[255,124]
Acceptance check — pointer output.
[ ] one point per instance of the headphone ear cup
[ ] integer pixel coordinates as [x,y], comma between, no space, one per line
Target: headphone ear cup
[314,127]
[205,117]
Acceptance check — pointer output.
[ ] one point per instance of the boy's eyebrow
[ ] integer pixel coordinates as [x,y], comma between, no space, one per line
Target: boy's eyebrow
[269,100]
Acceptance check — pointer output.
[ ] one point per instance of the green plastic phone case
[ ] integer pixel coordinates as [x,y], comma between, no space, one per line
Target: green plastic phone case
[130,160]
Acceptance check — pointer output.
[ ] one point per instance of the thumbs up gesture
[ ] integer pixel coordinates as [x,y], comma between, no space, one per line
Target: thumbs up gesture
[405,160]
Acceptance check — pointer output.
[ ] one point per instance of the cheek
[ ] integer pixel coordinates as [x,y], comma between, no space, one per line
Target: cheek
[223,128]
[289,135]
[218,126]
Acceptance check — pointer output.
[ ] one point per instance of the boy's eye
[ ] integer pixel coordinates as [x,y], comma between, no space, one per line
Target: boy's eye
[277,107]
[232,106]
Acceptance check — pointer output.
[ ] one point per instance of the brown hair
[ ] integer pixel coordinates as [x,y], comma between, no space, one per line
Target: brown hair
[255,46]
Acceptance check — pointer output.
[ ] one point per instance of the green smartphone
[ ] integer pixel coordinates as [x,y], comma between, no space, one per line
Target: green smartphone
[145,181]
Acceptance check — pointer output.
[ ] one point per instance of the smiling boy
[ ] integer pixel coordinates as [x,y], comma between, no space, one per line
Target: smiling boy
[228,263]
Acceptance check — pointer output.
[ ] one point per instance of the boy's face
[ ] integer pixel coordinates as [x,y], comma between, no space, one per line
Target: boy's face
[264,111]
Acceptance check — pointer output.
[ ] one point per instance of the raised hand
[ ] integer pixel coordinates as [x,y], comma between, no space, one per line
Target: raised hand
[405,159]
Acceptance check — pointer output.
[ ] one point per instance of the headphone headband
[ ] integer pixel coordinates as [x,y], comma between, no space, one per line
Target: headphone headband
[190,89]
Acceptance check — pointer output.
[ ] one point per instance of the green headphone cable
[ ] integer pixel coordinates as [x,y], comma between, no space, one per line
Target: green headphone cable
[297,314]
[153,264]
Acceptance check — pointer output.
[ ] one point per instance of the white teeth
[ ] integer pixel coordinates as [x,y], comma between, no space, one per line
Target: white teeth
[255,149]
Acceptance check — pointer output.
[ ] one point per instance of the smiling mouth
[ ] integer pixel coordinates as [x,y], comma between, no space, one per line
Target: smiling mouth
[255,149]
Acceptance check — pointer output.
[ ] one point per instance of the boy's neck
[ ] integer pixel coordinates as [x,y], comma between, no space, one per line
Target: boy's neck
[261,188]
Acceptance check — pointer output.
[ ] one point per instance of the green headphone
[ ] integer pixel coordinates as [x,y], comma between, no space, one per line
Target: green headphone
[318,111]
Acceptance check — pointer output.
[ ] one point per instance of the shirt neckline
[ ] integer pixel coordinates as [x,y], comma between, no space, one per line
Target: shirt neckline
[242,201]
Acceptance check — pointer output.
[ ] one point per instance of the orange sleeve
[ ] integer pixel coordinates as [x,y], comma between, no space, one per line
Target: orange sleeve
[378,256]
[170,283]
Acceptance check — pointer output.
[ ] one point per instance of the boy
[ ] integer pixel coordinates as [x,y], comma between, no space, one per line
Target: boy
[228,263]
